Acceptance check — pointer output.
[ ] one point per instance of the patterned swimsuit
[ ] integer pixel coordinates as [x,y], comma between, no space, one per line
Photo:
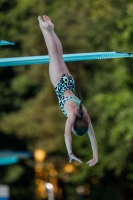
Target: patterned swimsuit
[66,83]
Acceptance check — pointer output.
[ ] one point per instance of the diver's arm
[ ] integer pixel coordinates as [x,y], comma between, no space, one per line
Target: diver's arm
[68,137]
[93,141]
[67,134]
[94,145]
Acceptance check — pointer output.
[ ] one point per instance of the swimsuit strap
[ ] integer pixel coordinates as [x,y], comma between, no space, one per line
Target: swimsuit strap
[76,100]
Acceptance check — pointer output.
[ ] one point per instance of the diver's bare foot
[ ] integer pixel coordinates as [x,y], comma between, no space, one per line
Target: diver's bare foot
[48,20]
[42,23]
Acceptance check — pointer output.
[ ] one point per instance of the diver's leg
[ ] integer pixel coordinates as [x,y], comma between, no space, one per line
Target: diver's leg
[55,67]
[58,45]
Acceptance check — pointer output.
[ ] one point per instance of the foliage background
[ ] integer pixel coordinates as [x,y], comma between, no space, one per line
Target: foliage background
[30,117]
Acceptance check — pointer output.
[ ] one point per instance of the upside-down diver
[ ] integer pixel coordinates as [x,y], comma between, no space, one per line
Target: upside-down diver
[78,120]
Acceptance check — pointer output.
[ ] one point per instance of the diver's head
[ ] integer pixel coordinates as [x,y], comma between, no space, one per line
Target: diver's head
[80,126]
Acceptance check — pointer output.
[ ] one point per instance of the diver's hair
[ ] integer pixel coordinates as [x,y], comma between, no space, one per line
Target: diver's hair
[80,111]
[81,125]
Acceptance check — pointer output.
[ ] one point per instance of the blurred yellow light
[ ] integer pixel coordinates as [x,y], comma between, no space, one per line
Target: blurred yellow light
[50,166]
[38,181]
[38,168]
[40,188]
[95,180]
[53,172]
[68,168]
[55,189]
[39,155]
[53,180]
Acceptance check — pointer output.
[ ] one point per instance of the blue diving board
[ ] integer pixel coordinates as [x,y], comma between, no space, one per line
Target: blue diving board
[18,154]
[30,60]
[8,160]
[8,157]
[4,42]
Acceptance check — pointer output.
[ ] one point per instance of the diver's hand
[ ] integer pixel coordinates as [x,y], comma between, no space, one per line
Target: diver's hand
[72,157]
[93,161]
[42,23]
